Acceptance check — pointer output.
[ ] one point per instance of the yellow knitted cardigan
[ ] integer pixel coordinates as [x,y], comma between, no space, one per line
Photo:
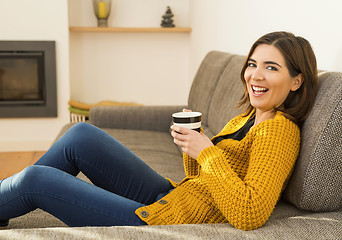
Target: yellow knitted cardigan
[238,182]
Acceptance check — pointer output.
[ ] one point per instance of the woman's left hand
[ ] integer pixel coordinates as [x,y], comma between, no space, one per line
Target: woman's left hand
[192,142]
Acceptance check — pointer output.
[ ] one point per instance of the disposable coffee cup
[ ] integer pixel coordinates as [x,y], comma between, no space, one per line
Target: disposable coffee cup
[190,120]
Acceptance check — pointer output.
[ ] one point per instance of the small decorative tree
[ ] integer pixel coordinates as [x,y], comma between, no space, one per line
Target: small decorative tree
[167,18]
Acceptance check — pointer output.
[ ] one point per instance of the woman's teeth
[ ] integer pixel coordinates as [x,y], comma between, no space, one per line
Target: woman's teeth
[259,90]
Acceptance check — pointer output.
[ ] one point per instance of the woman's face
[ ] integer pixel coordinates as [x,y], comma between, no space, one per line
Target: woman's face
[268,79]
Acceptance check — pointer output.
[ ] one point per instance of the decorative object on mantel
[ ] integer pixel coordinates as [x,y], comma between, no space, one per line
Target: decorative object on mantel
[167,19]
[102,10]
[79,111]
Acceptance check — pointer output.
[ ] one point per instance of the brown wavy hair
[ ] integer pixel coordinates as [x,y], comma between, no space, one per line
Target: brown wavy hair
[300,59]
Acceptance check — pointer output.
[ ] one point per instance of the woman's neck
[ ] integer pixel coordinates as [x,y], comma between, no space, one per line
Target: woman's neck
[261,116]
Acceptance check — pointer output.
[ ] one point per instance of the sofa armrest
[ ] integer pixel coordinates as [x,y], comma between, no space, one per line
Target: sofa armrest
[151,118]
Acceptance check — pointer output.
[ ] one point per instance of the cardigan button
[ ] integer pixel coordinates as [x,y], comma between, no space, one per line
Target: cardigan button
[144,214]
[162,201]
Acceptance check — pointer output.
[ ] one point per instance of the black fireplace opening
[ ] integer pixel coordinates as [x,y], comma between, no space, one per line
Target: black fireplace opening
[27,79]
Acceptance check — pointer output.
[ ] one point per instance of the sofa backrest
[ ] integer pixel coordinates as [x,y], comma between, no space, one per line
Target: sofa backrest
[316,183]
[205,82]
[227,94]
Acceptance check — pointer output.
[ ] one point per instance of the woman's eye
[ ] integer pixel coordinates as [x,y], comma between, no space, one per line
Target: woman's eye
[251,65]
[272,68]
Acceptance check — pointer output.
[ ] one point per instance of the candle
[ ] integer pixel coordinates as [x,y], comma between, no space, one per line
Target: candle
[102,9]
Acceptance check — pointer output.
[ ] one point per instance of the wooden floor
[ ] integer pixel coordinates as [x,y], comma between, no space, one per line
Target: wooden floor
[14,162]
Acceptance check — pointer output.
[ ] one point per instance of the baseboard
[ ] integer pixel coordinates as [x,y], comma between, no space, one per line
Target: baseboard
[21,146]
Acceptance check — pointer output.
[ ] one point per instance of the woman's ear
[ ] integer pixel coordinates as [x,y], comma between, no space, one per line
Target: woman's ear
[297,82]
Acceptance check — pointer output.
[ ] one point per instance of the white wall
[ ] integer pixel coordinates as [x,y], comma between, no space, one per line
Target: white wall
[37,20]
[147,68]
[233,26]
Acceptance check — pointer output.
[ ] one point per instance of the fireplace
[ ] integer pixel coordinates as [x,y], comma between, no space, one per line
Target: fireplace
[27,79]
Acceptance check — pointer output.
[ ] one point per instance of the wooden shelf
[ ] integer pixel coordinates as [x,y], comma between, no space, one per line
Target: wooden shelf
[130,30]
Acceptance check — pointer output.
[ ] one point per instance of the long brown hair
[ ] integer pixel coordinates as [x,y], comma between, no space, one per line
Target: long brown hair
[300,59]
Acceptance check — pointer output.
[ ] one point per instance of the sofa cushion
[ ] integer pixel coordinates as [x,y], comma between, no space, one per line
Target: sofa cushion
[205,82]
[228,92]
[286,222]
[145,140]
[316,183]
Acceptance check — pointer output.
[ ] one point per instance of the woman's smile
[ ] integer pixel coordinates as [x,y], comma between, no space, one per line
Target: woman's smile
[259,91]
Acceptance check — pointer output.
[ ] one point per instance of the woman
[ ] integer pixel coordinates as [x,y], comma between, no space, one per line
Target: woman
[236,177]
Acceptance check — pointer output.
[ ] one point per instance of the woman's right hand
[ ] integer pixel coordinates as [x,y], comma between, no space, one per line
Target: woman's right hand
[191,142]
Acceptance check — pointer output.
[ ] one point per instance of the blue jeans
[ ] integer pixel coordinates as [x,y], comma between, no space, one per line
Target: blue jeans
[121,182]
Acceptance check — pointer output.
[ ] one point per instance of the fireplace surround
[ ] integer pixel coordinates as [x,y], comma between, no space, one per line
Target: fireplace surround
[28,79]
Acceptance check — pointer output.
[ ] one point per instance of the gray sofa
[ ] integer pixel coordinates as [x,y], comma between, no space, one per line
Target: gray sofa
[310,208]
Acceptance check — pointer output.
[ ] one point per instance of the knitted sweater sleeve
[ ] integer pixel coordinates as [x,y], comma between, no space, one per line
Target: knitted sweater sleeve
[191,166]
[247,202]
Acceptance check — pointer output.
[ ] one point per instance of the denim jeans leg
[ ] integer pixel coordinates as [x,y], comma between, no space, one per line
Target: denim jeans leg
[73,201]
[106,162]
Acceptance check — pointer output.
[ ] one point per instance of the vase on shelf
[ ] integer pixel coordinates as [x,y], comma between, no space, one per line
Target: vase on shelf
[102,10]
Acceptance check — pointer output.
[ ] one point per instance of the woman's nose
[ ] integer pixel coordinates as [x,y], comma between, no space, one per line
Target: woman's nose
[257,74]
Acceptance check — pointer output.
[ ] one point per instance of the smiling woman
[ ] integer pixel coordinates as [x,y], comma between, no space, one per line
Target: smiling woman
[268,81]
[280,73]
